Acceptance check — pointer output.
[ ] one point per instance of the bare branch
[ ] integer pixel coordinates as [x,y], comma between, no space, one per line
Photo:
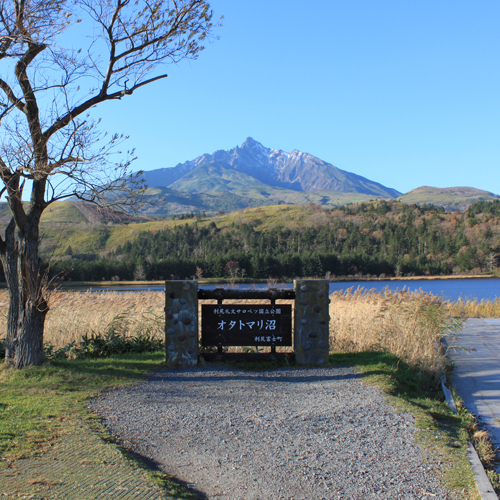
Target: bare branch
[11,96]
[50,139]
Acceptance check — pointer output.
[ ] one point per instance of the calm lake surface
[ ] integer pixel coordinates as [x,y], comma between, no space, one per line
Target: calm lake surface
[449,289]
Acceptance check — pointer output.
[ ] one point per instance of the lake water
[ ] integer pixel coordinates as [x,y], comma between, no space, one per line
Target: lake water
[449,289]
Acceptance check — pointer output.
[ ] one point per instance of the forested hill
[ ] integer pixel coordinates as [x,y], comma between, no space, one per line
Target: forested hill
[377,238]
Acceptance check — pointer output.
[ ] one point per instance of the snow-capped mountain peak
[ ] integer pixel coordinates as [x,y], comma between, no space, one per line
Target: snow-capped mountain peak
[296,170]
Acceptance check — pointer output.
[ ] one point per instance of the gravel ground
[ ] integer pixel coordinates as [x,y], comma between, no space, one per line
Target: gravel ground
[317,433]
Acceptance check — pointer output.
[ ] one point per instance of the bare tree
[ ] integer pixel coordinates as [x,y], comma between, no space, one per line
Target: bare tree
[50,146]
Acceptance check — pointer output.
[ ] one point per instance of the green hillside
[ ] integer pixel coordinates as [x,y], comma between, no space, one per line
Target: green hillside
[385,238]
[215,178]
[163,201]
[101,239]
[453,198]
[167,202]
[63,212]
[374,237]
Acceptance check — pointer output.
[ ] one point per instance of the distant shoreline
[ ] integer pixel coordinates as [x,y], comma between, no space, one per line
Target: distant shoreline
[412,278]
[76,284]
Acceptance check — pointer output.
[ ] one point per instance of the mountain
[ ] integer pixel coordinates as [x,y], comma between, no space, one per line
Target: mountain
[262,168]
[216,177]
[452,198]
[163,201]
[253,175]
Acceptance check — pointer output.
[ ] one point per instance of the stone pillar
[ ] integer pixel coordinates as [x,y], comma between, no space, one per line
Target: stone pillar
[181,323]
[311,322]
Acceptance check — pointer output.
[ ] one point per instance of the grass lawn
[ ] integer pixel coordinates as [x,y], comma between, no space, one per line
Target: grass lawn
[43,408]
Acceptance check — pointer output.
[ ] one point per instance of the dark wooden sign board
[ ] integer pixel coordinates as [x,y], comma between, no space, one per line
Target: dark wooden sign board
[246,325]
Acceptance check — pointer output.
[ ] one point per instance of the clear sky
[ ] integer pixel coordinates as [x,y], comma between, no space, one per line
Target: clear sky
[403,92]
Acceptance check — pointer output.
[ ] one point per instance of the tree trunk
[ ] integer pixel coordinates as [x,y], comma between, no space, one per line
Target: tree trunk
[29,349]
[32,304]
[9,262]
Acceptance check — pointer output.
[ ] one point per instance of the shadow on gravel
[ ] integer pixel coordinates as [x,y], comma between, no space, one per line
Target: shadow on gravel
[244,377]
[157,467]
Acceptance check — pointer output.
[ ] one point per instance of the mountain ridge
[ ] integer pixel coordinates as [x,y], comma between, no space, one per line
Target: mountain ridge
[296,171]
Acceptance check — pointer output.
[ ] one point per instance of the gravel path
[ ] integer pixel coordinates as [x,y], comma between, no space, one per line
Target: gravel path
[283,434]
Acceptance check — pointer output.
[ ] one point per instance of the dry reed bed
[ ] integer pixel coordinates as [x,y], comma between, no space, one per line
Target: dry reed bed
[407,324]
[74,314]
[474,308]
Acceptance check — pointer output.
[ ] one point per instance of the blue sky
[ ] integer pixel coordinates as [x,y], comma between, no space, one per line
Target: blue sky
[406,93]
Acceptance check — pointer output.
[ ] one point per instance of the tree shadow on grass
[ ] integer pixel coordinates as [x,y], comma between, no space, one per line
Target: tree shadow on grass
[124,368]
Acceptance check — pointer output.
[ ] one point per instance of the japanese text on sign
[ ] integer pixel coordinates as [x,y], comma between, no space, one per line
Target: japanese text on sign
[223,310]
[247,325]
[270,324]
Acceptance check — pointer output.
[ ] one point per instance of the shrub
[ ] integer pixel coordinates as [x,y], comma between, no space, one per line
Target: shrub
[115,340]
[97,345]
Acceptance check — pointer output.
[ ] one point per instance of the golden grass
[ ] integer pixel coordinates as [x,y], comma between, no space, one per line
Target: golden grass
[474,308]
[407,324]
[4,305]
[73,314]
